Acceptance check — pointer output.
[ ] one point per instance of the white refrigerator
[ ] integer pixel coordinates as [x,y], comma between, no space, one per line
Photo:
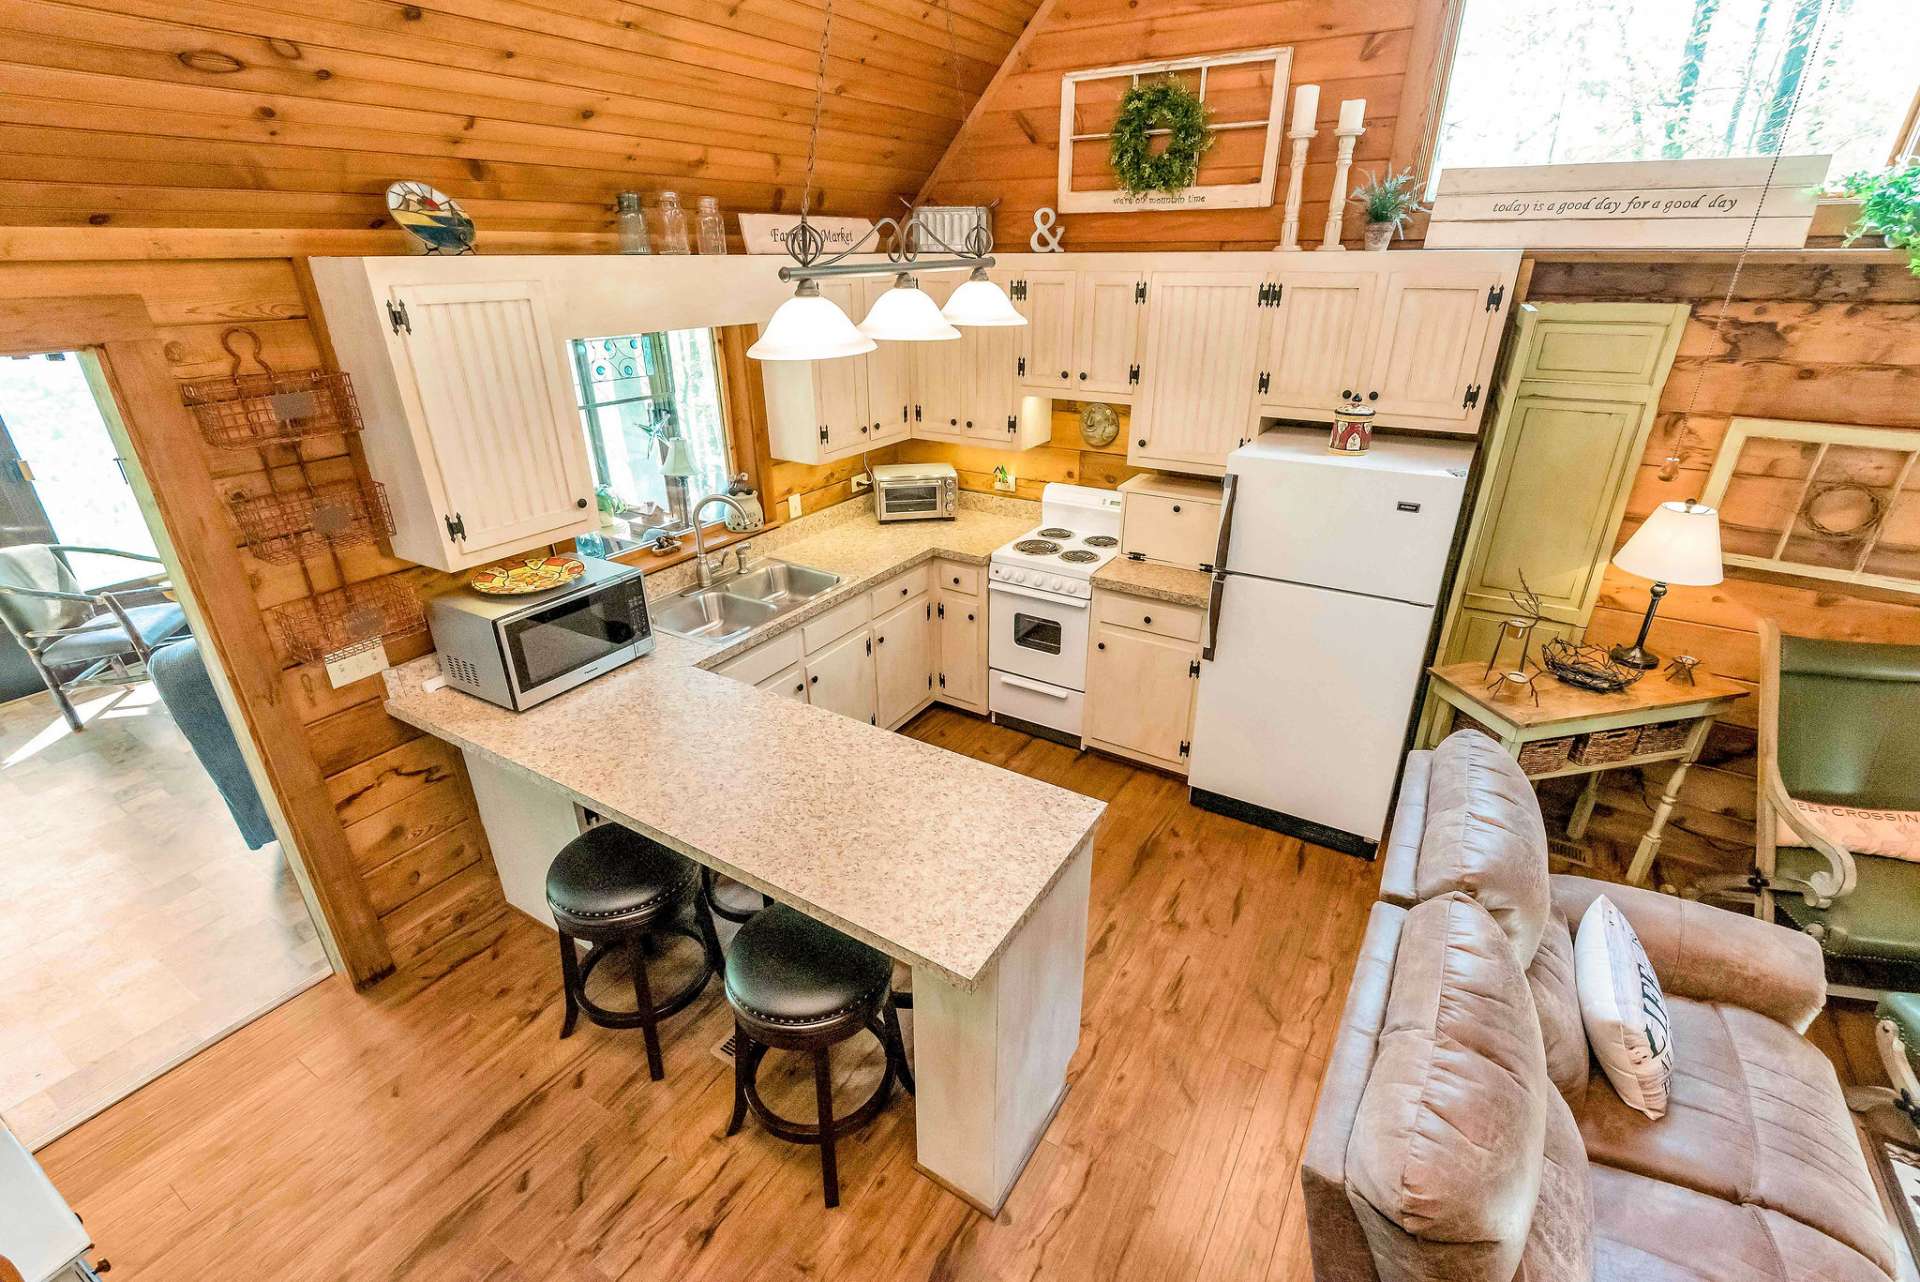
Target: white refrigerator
[1325,583]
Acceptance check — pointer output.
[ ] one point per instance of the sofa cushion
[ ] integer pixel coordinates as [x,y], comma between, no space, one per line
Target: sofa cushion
[1560,1240]
[1556,1001]
[1647,1230]
[1444,1161]
[1755,1117]
[1623,1008]
[1484,836]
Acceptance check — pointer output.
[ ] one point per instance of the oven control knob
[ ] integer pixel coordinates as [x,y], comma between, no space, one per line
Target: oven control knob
[1055,585]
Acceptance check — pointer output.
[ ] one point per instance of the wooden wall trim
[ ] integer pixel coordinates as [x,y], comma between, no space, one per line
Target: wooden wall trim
[168,449]
[1423,95]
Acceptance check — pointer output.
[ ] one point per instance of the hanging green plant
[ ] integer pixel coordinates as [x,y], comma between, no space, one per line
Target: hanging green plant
[1159,104]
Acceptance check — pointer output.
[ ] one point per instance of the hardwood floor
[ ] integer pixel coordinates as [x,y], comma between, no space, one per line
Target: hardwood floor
[135,925]
[437,1127]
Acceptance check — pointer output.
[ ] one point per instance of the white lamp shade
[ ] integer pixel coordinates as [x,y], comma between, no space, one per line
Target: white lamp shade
[808,327]
[1679,543]
[981,302]
[679,460]
[905,314]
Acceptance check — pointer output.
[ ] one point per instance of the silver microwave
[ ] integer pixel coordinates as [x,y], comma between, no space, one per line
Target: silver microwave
[519,651]
[915,491]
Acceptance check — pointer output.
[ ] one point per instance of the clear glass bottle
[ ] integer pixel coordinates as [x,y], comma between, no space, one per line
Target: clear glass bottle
[669,225]
[712,226]
[630,222]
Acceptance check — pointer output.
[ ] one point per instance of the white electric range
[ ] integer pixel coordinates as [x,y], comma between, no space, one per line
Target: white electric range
[1040,596]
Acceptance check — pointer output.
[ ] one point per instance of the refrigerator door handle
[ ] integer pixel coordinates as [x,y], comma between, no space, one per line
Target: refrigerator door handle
[1228,489]
[1214,593]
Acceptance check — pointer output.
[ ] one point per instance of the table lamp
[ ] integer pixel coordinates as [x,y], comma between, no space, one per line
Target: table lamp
[1679,543]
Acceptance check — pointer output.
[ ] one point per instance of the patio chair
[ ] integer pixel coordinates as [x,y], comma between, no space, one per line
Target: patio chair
[71,634]
[1840,726]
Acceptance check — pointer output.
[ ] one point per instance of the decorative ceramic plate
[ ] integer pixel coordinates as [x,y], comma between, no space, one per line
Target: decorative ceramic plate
[435,218]
[1098,425]
[536,574]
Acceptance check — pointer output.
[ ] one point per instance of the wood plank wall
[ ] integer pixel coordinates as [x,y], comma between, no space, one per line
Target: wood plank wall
[1821,342]
[1351,48]
[1066,457]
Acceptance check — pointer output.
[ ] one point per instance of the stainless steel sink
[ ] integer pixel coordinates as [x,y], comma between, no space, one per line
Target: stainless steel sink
[781,584]
[733,607]
[711,614]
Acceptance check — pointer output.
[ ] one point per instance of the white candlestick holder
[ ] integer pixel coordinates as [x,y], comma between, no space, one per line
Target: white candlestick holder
[1296,170]
[1337,205]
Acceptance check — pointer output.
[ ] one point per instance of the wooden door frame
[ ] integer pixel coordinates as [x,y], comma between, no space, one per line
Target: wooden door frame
[118,331]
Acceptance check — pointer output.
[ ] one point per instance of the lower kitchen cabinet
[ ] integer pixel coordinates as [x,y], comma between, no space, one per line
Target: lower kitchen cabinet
[960,626]
[903,661]
[789,683]
[1143,665]
[840,676]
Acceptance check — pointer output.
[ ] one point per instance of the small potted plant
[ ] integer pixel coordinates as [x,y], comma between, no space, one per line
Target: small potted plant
[1388,203]
[1890,206]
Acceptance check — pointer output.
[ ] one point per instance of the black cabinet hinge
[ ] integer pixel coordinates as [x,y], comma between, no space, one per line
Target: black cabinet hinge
[1136,556]
[1266,380]
[1012,425]
[943,609]
[1140,291]
[1495,296]
[1472,398]
[1185,747]
[1133,375]
[869,645]
[823,435]
[1020,366]
[1206,567]
[397,316]
[1193,668]
[1260,299]
[1269,295]
[929,680]
[929,612]
[943,680]
[916,413]
[1019,290]
[456,526]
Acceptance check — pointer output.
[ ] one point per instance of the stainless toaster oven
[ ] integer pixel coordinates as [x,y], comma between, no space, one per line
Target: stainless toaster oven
[915,491]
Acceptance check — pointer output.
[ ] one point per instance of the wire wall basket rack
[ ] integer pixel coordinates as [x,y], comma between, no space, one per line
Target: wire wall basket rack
[284,526]
[349,618]
[243,411]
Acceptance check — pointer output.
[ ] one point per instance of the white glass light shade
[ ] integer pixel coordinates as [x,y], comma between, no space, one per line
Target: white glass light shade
[808,327]
[1679,543]
[905,314]
[979,301]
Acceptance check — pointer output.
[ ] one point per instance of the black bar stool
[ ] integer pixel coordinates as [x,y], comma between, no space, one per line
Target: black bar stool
[709,897]
[797,985]
[611,886]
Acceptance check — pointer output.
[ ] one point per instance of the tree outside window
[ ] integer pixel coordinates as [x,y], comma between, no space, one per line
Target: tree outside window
[1539,82]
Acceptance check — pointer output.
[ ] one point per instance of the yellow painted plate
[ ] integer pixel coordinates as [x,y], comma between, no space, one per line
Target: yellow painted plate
[536,574]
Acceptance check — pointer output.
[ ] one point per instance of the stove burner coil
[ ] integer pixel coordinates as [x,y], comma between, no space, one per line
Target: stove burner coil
[1079,556]
[1036,547]
[1054,532]
[1101,541]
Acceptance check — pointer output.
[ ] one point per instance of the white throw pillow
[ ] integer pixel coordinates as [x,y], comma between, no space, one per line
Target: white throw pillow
[1623,1009]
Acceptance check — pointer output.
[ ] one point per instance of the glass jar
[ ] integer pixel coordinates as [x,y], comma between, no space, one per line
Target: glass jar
[669,225]
[630,223]
[711,226]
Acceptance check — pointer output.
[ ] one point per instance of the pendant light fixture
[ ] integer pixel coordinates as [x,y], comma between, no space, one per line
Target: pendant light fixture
[907,314]
[980,302]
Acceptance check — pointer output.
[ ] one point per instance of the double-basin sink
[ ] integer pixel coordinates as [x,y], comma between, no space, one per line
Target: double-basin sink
[733,607]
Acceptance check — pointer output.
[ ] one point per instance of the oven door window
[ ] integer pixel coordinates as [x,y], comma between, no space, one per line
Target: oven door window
[1036,632]
[913,498]
[567,635]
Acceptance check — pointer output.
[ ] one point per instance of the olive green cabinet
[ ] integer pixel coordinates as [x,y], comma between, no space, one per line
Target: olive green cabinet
[1576,404]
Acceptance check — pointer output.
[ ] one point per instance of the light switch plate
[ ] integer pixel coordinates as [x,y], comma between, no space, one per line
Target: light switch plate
[793,507]
[356,663]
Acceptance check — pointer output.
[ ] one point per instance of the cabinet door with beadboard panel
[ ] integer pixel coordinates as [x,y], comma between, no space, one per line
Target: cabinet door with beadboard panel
[1140,693]
[1046,356]
[493,400]
[1318,339]
[840,676]
[960,620]
[888,372]
[903,661]
[1435,323]
[840,386]
[994,352]
[943,377]
[1196,397]
[1107,316]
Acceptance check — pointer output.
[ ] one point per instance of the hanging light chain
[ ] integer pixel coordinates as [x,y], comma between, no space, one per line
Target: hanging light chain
[953,60]
[819,103]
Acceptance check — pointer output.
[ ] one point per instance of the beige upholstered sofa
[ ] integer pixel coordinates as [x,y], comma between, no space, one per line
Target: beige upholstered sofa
[1463,1132]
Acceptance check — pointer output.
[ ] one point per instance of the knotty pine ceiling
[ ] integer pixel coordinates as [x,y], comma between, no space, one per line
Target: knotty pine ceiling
[533,113]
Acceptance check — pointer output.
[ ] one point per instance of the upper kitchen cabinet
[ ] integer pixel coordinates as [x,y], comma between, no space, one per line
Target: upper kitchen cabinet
[887,372]
[1317,342]
[1440,322]
[1047,352]
[1110,309]
[471,420]
[819,411]
[1203,346]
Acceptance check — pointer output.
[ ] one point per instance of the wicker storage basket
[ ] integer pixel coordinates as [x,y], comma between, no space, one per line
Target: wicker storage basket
[1667,736]
[1604,747]
[1542,756]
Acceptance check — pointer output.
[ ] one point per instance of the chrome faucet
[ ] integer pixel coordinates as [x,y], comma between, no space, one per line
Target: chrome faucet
[700,563]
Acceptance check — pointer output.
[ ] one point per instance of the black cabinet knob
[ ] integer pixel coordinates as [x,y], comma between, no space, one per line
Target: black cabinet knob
[881,640]
[969,422]
[801,688]
[1099,645]
[813,681]
[1146,618]
[1346,393]
[952,421]
[969,618]
[1064,374]
[1176,507]
[956,580]
[1083,376]
[579,502]
[1373,396]
[1143,442]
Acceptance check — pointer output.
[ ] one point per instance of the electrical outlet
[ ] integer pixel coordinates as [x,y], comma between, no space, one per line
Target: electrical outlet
[861,480]
[793,507]
[1004,481]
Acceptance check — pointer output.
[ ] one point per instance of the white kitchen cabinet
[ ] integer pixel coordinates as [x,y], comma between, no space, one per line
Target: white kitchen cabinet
[1319,333]
[819,411]
[943,377]
[1108,307]
[467,393]
[1196,396]
[888,374]
[1439,326]
[1045,363]
[960,622]
[903,661]
[1141,683]
[840,676]
[1174,520]
[788,683]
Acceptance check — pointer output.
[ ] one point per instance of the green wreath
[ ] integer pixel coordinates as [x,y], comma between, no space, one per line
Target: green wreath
[1161,104]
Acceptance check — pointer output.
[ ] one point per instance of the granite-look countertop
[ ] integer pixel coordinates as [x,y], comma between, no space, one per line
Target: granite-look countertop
[930,856]
[1154,581]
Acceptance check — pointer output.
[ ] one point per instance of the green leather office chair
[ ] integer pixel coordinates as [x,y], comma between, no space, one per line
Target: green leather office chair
[1840,725]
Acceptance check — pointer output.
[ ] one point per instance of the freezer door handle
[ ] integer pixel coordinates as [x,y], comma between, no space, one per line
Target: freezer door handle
[1228,489]
[1214,593]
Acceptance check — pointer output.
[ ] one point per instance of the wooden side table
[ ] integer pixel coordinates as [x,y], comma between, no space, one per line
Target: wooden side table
[1567,717]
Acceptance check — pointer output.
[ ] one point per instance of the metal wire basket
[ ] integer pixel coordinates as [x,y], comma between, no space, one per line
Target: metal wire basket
[345,618]
[246,410]
[339,514]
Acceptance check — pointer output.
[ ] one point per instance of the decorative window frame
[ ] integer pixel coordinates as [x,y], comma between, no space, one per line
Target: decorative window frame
[1742,430]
